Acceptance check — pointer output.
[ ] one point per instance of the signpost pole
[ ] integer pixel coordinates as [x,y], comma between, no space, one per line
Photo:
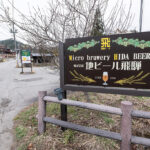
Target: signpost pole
[22,69]
[21,63]
[31,67]
[61,60]
[64,110]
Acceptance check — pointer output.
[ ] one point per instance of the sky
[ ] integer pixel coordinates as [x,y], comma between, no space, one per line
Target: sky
[23,6]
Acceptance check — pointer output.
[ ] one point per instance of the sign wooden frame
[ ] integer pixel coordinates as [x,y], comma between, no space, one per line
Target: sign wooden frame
[25,63]
[100,89]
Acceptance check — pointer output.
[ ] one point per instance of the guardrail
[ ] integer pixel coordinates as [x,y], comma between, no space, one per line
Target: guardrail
[126,112]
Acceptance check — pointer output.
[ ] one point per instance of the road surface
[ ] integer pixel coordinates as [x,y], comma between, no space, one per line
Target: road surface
[19,90]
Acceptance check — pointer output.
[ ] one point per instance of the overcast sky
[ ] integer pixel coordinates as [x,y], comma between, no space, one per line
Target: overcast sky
[23,5]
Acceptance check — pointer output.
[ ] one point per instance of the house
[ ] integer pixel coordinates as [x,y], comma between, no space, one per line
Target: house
[37,57]
[41,57]
[2,49]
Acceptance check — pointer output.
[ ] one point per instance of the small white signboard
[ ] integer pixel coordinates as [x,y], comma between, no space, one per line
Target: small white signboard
[26,56]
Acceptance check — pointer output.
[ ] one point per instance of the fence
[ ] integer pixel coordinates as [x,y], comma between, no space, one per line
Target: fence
[8,55]
[126,112]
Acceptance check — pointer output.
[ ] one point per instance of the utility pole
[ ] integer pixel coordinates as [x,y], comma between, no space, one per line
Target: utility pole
[14,31]
[141,16]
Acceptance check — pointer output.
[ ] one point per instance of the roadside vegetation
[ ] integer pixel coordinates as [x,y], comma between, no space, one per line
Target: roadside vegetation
[27,137]
[2,59]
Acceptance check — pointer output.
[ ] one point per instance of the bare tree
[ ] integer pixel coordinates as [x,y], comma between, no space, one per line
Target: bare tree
[66,19]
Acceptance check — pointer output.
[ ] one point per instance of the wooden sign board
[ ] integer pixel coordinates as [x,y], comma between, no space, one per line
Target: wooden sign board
[26,59]
[111,64]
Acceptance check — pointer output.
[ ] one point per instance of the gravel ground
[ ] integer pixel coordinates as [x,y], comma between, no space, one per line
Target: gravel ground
[19,90]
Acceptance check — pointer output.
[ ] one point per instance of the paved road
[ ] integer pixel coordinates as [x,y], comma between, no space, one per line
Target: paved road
[19,90]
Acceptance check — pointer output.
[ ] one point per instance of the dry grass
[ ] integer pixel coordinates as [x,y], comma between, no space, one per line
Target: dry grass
[25,125]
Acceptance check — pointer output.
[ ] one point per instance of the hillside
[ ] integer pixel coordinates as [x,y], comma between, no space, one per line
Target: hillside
[9,43]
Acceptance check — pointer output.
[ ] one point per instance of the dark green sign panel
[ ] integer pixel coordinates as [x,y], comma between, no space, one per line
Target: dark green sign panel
[25,53]
[109,61]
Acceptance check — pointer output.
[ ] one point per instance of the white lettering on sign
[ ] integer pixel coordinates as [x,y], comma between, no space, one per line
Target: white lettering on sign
[104,58]
[127,65]
[93,65]
[138,56]
[76,58]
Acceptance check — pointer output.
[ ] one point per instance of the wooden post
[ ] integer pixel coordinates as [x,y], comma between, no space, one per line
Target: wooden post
[21,64]
[31,68]
[64,111]
[126,122]
[61,61]
[41,112]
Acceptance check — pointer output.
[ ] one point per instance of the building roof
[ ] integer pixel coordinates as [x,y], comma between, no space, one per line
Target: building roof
[39,55]
[2,46]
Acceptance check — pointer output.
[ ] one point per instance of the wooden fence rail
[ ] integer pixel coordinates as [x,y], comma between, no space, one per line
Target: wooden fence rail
[126,112]
[7,55]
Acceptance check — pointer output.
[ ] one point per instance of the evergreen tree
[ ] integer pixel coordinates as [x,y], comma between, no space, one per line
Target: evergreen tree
[98,24]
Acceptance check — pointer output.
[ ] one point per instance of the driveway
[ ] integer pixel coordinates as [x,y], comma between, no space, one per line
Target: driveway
[19,90]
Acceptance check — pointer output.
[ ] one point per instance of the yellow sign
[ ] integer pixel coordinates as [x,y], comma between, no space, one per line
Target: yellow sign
[24,58]
[115,56]
[70,57]
[105,43]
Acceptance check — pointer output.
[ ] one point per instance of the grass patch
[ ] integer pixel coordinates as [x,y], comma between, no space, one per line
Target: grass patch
[23,147]
[68,136]
[140,97]
[28,117]
[107,142]
[20,132]
[25,125]
[53,108]
[106,117]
